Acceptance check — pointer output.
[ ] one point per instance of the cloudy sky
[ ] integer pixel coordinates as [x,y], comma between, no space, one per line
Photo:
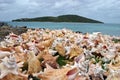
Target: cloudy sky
[107,11]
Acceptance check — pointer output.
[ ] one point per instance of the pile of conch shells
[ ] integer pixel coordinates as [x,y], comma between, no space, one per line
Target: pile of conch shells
[44,54]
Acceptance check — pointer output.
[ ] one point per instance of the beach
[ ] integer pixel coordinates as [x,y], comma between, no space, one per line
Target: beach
[60,54]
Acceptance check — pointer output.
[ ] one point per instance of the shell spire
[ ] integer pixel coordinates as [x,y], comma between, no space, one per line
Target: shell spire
[8,65]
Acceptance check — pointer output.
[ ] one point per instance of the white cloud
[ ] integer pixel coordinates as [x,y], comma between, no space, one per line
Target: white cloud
[103,10]
[65,3]
[6,1]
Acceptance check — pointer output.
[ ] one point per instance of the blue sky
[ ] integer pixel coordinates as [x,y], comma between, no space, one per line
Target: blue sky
[107,11]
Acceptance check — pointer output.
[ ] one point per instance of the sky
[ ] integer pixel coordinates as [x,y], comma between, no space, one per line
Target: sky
[107,11]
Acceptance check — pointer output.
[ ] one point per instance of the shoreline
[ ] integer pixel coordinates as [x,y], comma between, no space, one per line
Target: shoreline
[5,29]
[108,29]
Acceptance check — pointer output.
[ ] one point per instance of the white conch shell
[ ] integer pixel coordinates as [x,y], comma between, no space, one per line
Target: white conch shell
[3,44]
[32,47]
[99,71]
[8,65]
[4,53]
[83,66]
[67,48]
[114,65]
[114,76]
[110,54]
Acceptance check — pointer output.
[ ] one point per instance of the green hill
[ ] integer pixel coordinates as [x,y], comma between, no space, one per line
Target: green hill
[61,18]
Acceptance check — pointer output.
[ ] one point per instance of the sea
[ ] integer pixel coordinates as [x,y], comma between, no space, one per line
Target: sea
[105,28]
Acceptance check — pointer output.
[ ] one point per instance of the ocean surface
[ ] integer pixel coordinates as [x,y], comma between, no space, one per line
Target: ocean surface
[109,29]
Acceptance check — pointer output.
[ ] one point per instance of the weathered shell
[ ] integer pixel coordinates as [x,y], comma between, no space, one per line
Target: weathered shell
[60,49]
[4,54]
[40,46]
[114,76]
[48,43]
[75,51]
[9,49]
[21,57]
[33,63]
[115,63]
[81,78]
[58,74]
[18,49]
[8,65]
[25,36]
[49,59]
[14,77]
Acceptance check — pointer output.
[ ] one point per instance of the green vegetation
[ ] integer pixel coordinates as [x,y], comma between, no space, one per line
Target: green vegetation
[62,18]
[61,60]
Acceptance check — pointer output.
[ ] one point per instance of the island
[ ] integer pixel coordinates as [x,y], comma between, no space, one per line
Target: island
[61,18]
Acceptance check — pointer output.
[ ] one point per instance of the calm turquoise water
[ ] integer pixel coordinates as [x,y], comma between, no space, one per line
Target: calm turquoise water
[110,29]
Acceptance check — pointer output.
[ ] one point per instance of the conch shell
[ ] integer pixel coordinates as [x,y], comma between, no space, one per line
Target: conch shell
[18,49]
[48,43]
[4,54]
[8,65]
[9,49]
[21,57]
[40,46]
[25,36]
[60,49]
[14,77]
[114,76]
[75,51]
[49,59]
[115,63]
[58,74]
[33,63]
[81,78]
[46,36]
